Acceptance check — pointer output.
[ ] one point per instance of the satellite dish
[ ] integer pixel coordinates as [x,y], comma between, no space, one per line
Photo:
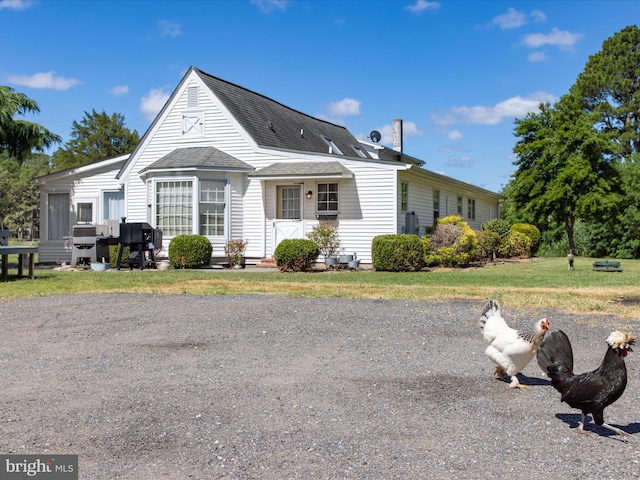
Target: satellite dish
[375,136]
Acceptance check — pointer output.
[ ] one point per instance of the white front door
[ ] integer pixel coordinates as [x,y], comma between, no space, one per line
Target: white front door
[288,223]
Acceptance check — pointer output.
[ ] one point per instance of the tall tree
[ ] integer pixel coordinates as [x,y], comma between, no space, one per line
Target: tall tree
[18,137]
[96,137]
[19,195]
[610,88]
[564,170]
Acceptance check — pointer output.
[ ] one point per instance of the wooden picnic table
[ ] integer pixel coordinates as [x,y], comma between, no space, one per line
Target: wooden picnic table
[22,252]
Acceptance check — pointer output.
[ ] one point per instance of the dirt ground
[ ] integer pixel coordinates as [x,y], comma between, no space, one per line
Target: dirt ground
[264,387]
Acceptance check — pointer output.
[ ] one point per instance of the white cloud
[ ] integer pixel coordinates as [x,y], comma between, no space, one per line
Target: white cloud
[169,29]
[268,6]
[43,80]
[15,4]
[559,38]
[422,5]
[151,104]
[512,19]
[345,107]
[514,107]
[120,90]
[536,57]
[455,135]
[538,16]
[456,161]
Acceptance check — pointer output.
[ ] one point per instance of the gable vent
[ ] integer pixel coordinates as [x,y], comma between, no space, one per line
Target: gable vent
[192,96]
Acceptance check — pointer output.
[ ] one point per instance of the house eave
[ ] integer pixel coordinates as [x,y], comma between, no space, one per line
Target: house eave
[322,176]
[164,171]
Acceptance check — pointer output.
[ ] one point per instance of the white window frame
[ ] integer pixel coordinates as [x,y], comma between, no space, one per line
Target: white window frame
[471,209]
[219,201]
[104,209]
[193,213]
[294,210]
[328,201]
[333,148]
[404,197]
[85,201]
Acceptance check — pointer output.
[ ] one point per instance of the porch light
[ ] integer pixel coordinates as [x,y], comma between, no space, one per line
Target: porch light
[309,194]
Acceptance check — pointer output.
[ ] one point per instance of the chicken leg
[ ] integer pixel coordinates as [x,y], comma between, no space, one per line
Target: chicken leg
[515,383]
[584,419]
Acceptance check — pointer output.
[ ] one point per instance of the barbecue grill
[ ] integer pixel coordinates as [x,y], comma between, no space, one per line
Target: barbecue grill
[90,244]
[142,239]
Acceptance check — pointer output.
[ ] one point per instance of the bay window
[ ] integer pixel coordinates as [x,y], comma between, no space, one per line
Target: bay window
[174,207]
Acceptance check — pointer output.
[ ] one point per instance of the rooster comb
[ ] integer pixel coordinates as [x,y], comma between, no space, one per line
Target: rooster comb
[620,340]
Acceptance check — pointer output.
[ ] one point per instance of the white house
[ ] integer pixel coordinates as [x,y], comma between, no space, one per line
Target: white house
[228,163]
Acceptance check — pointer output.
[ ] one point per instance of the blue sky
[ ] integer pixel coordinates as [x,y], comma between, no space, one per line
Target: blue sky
[456,72]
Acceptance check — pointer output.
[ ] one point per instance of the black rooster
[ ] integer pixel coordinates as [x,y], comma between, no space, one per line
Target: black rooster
[593,391]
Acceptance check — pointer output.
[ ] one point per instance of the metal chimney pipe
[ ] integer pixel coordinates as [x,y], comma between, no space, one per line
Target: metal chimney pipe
[397,135]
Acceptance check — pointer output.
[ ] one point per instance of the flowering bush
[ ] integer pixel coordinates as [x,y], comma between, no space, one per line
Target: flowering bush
[234,250]
[326,237]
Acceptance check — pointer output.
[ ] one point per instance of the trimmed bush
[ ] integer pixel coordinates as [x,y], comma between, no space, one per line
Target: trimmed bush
[530,231]
[452,243]
[516,245]
[497,225]
[190,251]
[397,253]
[296,255]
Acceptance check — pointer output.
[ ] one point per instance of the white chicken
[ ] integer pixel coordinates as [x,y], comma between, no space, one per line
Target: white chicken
[510,349]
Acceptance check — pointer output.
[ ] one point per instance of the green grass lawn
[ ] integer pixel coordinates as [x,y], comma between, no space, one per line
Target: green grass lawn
[537,283]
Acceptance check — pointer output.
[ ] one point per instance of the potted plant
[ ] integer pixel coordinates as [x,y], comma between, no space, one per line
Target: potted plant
[344,257]
[325,235]
[234,250]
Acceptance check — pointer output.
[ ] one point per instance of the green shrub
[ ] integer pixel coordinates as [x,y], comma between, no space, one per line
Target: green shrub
[397,253]
[497,225]
[452,243]
[530,231]
[190,251]
[516,244]
[113,254]
[295,255]
[488,245]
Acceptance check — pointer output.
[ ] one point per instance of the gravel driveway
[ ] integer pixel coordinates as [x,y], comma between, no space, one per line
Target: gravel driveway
[264,387]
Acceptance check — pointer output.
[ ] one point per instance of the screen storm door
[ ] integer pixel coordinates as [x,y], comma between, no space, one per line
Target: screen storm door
[288,222]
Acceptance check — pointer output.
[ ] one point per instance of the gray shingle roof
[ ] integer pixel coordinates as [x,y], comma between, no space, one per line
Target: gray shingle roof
[199,157]
[290,129]
[304,169]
